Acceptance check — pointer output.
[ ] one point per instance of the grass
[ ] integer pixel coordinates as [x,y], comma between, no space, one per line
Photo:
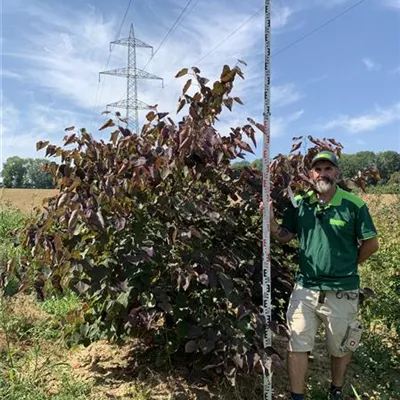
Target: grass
[61,305]
[10,219]
[28,356]
[35,363]
[30,390]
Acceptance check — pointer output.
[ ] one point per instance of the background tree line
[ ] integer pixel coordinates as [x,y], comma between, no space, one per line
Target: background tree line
[387,163]
[26,173]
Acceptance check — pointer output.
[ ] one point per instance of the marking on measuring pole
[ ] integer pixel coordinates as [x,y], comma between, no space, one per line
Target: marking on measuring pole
[266,267]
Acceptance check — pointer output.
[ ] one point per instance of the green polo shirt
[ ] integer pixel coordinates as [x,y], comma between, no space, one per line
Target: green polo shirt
[328,239]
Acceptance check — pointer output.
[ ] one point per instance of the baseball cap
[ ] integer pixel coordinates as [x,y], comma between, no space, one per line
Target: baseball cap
[326,156]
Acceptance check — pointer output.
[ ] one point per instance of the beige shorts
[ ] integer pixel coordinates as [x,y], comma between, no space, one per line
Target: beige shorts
[305,314]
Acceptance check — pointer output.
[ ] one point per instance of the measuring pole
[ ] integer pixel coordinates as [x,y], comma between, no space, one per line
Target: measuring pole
[266,268]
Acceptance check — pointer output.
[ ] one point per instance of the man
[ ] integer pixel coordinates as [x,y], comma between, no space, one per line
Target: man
[335,233]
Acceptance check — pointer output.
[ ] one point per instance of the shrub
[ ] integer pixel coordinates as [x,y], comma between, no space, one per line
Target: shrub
[393,188]
[163,237]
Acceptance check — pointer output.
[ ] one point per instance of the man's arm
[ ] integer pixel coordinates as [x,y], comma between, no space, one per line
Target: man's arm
[367,248]
[280,233]
[365,228]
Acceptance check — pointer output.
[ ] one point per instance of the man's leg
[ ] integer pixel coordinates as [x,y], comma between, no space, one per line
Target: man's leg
[303,324]
[297,368]
[338,314]
[339,365]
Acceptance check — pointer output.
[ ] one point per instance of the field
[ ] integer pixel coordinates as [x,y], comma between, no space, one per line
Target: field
[24,200]
[36,364]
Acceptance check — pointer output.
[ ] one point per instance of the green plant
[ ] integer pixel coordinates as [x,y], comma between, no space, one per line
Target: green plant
[69,389]
[355,393]
[10,221]
[377,354]
[317,390]
[390,188]
[25,371]
[26,173]
[394,178]
[381,272]
[61,305]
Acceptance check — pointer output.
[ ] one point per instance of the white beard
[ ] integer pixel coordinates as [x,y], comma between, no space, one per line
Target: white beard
[323,186]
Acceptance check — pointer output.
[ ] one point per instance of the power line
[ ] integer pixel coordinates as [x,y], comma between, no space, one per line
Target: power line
[225,39]
[170,31]
[193,7]
[329,21]
[98,98]
[123,19]
[111,49]
[230,35]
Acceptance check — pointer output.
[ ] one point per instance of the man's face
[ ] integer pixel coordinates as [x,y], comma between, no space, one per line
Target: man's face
[325,175]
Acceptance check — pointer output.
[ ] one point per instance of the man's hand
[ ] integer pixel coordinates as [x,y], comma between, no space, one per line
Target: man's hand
[282,234]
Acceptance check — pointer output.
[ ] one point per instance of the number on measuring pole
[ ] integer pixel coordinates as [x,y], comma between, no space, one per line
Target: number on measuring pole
[266,266]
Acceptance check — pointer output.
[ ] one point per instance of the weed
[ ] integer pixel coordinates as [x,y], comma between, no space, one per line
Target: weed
[26,371]
[59,306]
[10,219]
[69,389]
[316,390]
[355,393]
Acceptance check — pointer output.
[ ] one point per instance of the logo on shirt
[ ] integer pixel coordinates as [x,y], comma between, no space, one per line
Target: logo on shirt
[337,222]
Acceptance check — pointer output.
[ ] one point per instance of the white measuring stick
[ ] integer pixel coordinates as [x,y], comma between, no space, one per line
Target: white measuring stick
[266,267]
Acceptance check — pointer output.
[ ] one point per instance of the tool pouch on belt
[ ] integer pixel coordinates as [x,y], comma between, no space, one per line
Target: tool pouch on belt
[352,337]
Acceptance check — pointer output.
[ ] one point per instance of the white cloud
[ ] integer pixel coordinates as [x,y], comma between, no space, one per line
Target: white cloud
[10,74]
[9,116]
[284,94]
[63,62]
[367,122]
[330,3]
[371,64]
[280,16]
[41,122]
[280,125]
[67,60]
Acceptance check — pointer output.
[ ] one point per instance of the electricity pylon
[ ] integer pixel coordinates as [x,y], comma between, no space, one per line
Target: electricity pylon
[132,104]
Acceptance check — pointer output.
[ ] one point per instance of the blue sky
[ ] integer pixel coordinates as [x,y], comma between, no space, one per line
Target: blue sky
[342,82]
